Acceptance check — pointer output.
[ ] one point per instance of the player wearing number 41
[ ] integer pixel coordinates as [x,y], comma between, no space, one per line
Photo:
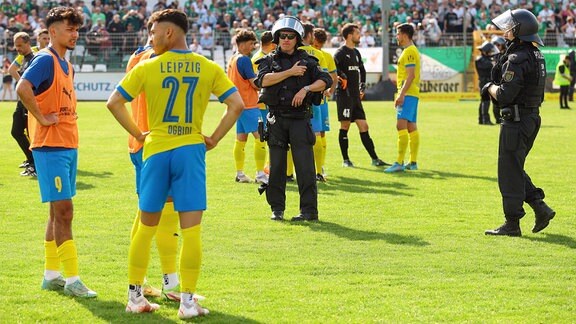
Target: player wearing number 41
[408,84]
[47,90]
[177,84]
[352,77]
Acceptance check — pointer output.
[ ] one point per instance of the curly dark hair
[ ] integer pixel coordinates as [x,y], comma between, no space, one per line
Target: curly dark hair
[72,15]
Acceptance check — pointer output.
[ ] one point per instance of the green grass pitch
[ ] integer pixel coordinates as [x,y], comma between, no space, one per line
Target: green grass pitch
[398,248]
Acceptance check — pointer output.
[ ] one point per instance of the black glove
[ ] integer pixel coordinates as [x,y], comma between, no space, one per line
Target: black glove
[362,87]
[484,92]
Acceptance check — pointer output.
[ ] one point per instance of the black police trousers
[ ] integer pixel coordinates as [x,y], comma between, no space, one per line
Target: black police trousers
[516,187]
[298,134]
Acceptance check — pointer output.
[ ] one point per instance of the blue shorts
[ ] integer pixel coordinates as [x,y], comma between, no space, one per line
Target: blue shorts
[180,172]
[325,116]
[248,121]
[316,120]
[56,169]
[136,159]
[409,109]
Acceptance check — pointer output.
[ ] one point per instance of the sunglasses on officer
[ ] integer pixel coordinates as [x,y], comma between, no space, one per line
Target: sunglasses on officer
[289,36]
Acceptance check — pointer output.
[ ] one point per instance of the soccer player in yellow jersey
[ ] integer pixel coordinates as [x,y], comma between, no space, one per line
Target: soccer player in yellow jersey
[241,73]
[319,149]
[408,84]
[266,46]
[177,84]
[167,233]
[320,38]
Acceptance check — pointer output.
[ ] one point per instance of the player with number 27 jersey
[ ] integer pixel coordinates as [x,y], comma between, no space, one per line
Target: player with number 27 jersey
[174,116]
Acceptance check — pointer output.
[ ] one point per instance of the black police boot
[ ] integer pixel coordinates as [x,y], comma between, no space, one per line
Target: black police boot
[543,214]
[305,217]
[277,215]
[509,228]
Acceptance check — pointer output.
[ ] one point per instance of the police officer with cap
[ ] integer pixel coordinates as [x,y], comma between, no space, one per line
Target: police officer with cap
[520,94]
[484,64]
[291,81]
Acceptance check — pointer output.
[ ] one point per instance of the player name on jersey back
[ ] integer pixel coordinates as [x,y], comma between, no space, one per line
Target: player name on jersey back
[180,67]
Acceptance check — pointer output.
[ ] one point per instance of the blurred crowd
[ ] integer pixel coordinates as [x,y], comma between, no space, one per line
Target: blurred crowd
[118,27]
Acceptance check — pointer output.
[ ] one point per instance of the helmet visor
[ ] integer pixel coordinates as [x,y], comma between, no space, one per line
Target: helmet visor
[505,21]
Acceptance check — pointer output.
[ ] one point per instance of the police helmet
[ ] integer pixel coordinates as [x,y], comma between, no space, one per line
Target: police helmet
[498,40]
[288,23]
[522,22]
[488,48]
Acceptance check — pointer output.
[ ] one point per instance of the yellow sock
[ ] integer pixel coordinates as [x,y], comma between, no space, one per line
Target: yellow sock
[402,145]
[135,224]
[259,154]
[69,258]
[323,157]
[239,155]
[190,259]
[167,238]
[414,145]
[139,254]
[289,163]
[318,154]
[51,262]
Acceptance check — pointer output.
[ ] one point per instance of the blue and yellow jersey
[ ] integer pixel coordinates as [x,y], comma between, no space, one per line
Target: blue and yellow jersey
[312,51]
[258,55]
[177,85]
[409,58]
[330,63]
[20,58]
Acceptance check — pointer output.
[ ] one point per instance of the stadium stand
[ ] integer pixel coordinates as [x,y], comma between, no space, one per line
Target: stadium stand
[438,23]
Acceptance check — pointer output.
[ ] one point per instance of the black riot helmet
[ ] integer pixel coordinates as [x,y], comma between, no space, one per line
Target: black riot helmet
[498,40]
[288,23]
[522,22]
[488,49]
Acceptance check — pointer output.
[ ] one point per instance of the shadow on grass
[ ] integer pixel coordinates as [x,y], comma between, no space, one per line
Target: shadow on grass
[567,241]
[83,185]
[432,174]
[360,235]
[106,174]
[113,312]
[355,185]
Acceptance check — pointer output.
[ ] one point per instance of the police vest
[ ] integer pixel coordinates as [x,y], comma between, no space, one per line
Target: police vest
[558,78]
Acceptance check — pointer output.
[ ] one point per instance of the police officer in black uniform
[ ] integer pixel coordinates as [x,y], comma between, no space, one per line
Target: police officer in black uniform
[500,44]
[523,75]
[484,64]
[291,81]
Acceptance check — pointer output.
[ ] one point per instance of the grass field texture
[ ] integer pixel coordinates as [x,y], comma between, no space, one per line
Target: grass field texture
[400,248]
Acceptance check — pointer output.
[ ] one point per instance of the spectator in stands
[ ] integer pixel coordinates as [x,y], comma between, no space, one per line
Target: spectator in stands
[21,17]
[433,32]
[367,40]
[116,29]
[28,29]
[195,46]
[256,19]
[269,22]
[419,37]
[97,15]
[205,28]
[133,18]
[223,27]
[108,13]
[131,40]
[207,41]
[569,31]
